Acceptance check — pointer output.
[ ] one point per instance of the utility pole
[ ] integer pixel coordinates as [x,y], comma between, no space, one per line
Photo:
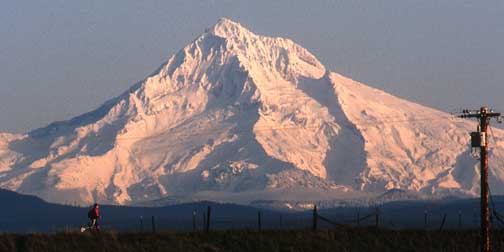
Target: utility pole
[479,140]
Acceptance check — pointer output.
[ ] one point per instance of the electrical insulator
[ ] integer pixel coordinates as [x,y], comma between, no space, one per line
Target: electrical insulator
[482,139]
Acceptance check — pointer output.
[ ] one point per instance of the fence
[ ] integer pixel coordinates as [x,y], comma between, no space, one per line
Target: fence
[263,219]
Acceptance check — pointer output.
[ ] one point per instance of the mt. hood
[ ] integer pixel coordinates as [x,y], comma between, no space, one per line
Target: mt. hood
[238,113]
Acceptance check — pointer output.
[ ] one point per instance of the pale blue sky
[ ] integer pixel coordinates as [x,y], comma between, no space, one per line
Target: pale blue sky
[61,58]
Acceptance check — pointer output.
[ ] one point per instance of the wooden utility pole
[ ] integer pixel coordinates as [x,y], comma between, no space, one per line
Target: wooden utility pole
[479,140]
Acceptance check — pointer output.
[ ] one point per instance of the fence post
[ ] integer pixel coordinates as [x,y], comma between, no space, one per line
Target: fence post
[194,220]
[377,217]
[425,219]
[490,212]
[141,223]
[358,217]
[442,222]
[204,220]
[153,224]
[460,219]
[259,221]
[207,228]
[315,215]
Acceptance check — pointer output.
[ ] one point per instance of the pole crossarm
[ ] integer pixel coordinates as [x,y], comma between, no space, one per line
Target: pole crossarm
[478,114]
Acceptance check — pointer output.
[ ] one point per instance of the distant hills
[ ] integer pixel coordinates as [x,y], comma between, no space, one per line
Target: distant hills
[21,213]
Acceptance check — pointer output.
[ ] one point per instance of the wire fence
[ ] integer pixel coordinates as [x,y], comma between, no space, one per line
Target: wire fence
[208,219]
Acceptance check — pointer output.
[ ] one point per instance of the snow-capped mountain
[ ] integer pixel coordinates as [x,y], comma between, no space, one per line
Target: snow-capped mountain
[235,112]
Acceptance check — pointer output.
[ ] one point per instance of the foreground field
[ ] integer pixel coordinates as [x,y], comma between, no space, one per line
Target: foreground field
[329,240]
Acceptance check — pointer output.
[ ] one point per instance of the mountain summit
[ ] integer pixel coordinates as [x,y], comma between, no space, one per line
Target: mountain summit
[248,115]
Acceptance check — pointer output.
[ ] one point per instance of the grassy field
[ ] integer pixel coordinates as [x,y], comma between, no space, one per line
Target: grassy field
[296,240]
